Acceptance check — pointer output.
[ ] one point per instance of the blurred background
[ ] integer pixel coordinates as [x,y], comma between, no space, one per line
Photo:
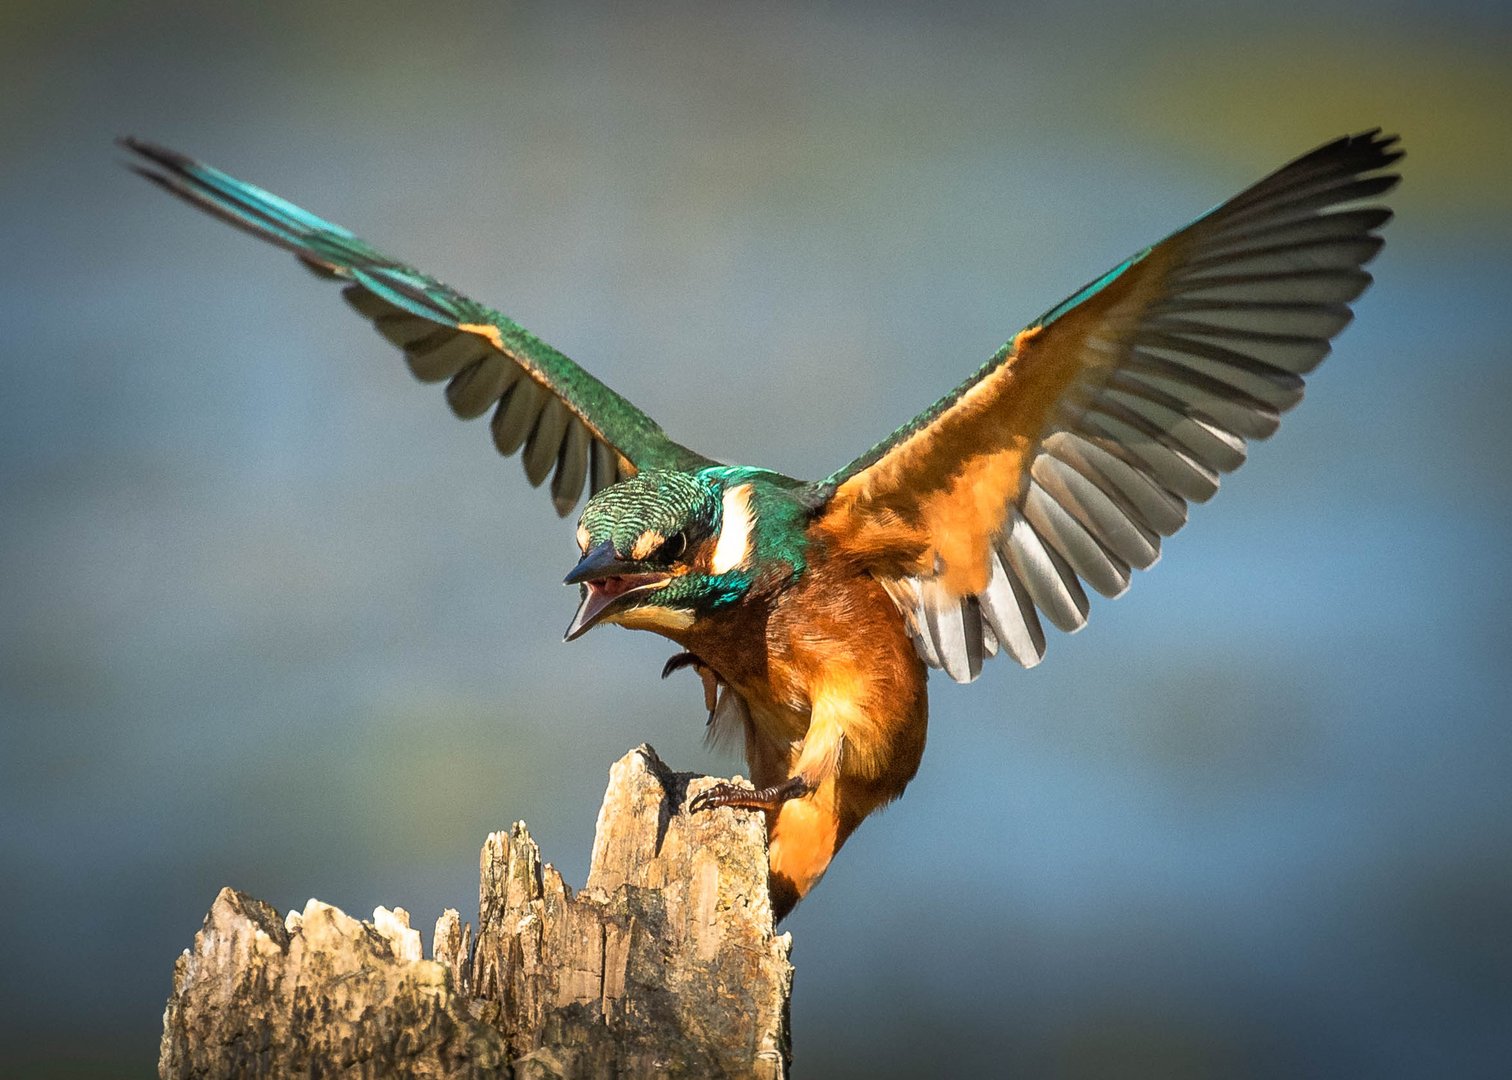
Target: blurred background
[271,618]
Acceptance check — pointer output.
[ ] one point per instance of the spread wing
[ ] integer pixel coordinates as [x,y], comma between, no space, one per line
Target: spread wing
[570,426]
[1068,456]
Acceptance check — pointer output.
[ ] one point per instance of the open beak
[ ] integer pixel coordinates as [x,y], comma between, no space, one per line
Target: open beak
[605,580]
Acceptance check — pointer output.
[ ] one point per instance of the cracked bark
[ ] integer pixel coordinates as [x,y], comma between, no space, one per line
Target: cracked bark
[665,964]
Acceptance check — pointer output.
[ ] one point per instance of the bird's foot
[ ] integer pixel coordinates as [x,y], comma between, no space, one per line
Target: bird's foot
[767,798]
[705,672]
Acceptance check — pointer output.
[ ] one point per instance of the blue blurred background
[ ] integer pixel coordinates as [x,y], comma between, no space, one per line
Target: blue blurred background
[271,618]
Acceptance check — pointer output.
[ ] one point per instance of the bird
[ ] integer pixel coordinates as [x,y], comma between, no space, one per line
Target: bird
[813,611]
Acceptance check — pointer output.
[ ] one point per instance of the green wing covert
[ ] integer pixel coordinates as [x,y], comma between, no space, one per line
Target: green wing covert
[569,425]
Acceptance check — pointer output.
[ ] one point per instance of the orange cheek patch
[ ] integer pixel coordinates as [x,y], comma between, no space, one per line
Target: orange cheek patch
[646,543]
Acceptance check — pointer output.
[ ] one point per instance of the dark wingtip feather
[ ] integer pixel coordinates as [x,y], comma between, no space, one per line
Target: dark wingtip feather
[148,174]
[230,200]
[615,431]
[168,159]
[1384,149]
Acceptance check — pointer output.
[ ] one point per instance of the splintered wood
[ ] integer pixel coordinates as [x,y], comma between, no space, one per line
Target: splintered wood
[665,964]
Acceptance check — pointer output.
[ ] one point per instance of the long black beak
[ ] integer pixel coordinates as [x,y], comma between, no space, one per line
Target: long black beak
[597,564]
[592,609]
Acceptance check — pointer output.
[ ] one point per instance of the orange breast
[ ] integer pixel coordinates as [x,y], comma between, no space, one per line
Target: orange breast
[834,631]
[836,694]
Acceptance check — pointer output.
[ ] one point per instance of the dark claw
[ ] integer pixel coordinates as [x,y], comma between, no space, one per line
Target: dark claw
[705,674]
[768,798]
[720,795]
[680,661]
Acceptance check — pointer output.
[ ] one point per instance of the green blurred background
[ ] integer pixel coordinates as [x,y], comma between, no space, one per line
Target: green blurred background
[271,618]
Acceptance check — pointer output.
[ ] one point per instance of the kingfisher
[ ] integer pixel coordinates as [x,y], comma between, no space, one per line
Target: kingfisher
[812,611]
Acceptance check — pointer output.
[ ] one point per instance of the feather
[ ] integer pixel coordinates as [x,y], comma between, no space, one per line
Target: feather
[1304,201]
[1095,426]
[602,468]
[445,335]
[1231,408]
[975,632]
[366,304]
[1051,584]
[729,720]
[1111,473]
[947,633]
[545,441]
[1309,321]
[989,639]
[1291,353]
[572,468]
[1092,563]
[445,352]
[474,389]
[516,414]
[1168,464]
[1275,386]
[1344,156]
[1203,440]
[1294,247]
[1101,513]
[401,328]
[1009,611]
[401,293]
[1285,285]
[924,642]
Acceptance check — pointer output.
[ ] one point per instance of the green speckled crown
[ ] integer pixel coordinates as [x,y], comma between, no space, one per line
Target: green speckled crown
[652,501]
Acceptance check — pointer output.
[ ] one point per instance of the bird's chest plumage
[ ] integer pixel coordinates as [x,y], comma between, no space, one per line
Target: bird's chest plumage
[830,634]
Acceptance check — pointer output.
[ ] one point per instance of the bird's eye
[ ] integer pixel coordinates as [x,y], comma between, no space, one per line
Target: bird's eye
[673,548]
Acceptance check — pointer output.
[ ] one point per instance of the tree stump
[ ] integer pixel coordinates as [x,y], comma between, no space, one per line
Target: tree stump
[665,964]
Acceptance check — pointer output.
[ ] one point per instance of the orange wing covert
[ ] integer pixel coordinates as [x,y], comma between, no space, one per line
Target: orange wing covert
[1067,457]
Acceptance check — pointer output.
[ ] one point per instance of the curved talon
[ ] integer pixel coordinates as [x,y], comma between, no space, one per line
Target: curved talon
[680,661]
[705,673]
[716,796]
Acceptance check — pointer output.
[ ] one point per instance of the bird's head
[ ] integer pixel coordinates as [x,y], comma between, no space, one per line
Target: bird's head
[663,548]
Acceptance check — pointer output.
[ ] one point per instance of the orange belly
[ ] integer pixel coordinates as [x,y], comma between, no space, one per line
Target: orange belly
[836,693]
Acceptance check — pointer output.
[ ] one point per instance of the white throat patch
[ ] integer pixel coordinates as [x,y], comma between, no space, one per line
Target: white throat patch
[734,547]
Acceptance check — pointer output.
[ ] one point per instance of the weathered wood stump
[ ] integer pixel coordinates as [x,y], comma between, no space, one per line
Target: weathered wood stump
[665,964]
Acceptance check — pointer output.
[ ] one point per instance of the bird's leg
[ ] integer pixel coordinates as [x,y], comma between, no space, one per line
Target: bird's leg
[804,834]
[706,673]
[767,798]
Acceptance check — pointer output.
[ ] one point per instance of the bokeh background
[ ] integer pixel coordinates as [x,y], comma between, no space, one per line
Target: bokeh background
[271,618]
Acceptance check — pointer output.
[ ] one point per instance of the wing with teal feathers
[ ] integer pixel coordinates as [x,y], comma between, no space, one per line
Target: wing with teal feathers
[569,426]
[1064,460]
